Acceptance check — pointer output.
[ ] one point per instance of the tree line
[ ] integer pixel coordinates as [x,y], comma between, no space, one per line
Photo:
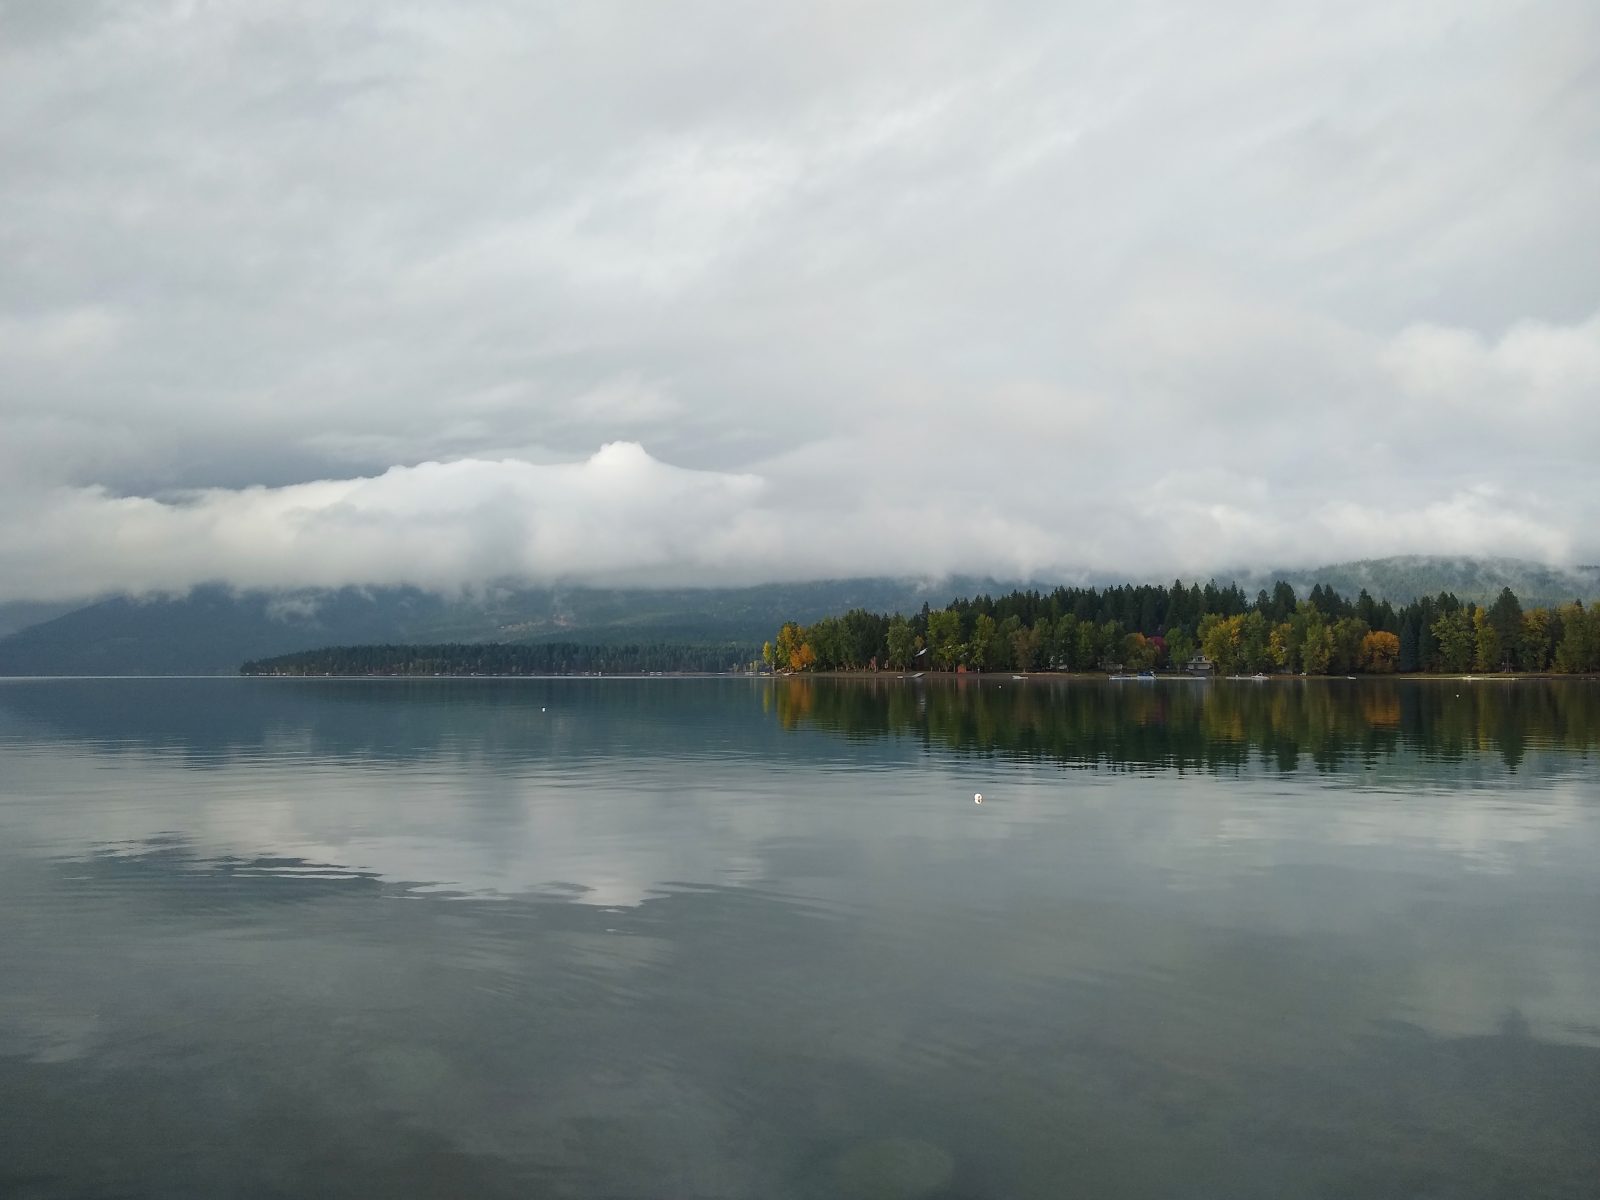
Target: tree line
[508,658]
[1139,627]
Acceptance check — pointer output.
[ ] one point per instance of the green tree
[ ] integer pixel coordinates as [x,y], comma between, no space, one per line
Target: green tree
[981,647]
[1110,642]
[1316,650]
[1004,652]
[1180,648]
[1505,618]
[1454,635]
[1284,645]
[1345,636]
[1065,652]
[829,645]
[901,641]
[1255,642]
[1088,655]
[1220,640]
[1579,649]
[1025,647]
[1487,653]
[788,647]
[1534,643]
[944,638]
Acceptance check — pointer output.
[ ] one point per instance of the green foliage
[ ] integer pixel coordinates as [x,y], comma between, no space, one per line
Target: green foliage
[1137,627]
[1579,648]
[1536,643]
[1220,641]
[1488,653]
[1316,643]
[1457,643]
[944,638]
[1345,639]
[500,658]
[901,642]
[1505,617]
[1180,648]
[1026,644]
[982,649]
[1255,637]
[1406,579]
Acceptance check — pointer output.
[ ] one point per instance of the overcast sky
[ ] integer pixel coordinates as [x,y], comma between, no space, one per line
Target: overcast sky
[309,293]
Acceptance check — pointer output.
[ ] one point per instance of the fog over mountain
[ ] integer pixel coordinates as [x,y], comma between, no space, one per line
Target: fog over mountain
[302,295]
[212,629]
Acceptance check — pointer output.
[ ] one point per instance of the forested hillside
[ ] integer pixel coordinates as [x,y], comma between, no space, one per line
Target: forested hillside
[210,630]
[1405,578]
[498,658]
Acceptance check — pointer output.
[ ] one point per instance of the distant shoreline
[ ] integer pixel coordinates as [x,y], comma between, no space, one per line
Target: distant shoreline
[1172,676]
[891,676]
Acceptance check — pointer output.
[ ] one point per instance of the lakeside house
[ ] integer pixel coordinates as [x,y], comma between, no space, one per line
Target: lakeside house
[1199,665]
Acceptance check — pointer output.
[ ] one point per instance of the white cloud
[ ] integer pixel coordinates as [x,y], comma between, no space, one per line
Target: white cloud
[1534,363]
[997,288]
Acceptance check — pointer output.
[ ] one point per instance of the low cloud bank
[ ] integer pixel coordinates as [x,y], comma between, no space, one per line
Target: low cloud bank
[622,517]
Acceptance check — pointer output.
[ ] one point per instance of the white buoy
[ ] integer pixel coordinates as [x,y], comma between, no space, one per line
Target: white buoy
[977,797]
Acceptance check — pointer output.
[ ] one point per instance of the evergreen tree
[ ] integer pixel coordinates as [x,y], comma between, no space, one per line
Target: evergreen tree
[1505,618]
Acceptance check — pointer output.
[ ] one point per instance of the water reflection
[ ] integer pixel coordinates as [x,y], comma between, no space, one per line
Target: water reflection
[1222,725]
[1211,725]
[736,938]
[388,721]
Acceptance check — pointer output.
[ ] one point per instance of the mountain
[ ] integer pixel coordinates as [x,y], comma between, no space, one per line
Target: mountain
[1404,578]
[20,614]
[205,632]
[213,629]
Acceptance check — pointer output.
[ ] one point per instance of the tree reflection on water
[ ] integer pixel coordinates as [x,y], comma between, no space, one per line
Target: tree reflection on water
[1216,725]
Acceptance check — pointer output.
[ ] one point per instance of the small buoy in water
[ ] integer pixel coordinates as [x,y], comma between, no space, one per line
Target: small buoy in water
[977,797]
[541,710]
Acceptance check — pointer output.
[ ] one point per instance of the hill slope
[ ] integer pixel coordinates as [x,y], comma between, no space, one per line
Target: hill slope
[1404,578]
[213,629]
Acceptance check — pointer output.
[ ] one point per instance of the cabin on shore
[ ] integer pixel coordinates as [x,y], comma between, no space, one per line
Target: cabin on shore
[1199,665]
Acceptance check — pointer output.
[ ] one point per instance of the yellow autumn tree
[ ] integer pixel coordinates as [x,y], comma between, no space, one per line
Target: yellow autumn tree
[1379,652]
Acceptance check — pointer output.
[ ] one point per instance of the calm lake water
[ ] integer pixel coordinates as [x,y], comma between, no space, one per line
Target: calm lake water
[737,938]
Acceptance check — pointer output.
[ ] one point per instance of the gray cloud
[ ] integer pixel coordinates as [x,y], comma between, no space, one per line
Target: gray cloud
[296,295]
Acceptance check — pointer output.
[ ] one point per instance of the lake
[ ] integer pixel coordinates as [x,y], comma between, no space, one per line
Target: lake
[754,938]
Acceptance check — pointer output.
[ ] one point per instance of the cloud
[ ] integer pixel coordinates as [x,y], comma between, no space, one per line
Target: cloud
[1003,288]
[1533,365]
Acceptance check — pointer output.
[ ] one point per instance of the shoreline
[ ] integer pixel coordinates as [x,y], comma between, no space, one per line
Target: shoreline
[889,676]
[1171,676]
